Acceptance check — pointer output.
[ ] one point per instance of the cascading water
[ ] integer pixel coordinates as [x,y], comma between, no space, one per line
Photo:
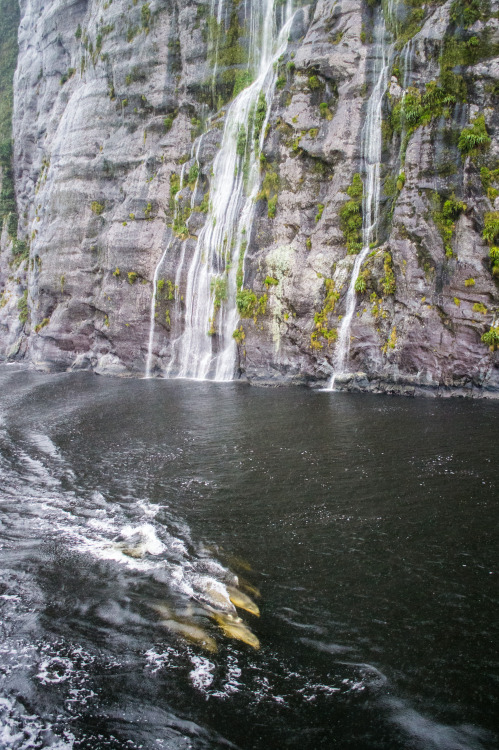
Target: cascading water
[371,146]
[408,58]
[152,314]
[206,349]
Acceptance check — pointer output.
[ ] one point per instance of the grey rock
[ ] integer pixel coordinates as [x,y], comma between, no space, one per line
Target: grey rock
[94,159]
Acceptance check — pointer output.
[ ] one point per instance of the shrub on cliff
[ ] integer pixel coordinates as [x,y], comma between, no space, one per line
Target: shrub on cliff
[474,139]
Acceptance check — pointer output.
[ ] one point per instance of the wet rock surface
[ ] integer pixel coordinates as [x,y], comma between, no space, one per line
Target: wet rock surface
[110,104]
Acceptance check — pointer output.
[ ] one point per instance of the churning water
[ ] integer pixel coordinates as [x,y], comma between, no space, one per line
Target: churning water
[133,514]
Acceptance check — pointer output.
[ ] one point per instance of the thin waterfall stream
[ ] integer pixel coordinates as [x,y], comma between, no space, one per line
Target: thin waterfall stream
[371,147]
[206,348]
[152,314]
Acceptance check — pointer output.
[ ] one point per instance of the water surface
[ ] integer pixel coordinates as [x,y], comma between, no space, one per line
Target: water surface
[368,524]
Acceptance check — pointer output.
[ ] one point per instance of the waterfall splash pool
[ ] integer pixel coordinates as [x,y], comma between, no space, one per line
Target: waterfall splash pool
[363,529]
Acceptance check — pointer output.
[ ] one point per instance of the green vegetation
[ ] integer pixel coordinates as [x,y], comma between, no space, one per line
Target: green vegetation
[22,306]
[391,342]
[225,49]
[361,283]
[179,225]
[132,277]
[165,289]
[388,282]
[229,55]
[240,263]
[315,82]
[219,291]
[272,207]
[491,338]
[20,250]
[489,176]
[260,114]
[445,215]
[239,335]
[469,282]
[145,16]
[97,207]
[242,138]
[269,191]
[416,109]
[66,76]
[249,305]
[174,189]
[136,75]
[479,307]
[204,205]
[321,323]
[41,325]
[457,51]
[270,281]
[242,79]
[168,122]
[131,33]
[193,175]
[465,12]
[197,128]
[320,209]
[351,216]
[491,227]
[494,260]
[410,26]
[474,139]
[325,112]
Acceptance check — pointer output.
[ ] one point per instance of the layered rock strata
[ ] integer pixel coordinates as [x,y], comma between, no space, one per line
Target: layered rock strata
[111,101]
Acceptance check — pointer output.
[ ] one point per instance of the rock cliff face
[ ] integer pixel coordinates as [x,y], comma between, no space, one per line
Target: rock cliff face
[119,114]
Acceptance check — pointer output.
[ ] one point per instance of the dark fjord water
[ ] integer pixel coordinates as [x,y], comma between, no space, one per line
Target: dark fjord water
[368,524]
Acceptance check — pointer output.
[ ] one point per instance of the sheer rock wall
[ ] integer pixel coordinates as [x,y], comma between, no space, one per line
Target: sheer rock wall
[104,121]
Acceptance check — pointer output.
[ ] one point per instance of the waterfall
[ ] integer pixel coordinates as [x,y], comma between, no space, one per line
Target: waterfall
[371,146]
[408,56]
[206,348]
[152,314]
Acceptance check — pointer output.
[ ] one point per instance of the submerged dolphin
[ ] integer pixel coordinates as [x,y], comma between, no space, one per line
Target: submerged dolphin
[233,627]
[248,587]
[185,628]
[242,601]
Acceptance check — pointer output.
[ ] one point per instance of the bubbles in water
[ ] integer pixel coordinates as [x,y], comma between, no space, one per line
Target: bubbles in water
[202,674]
[55,669]
[22,731]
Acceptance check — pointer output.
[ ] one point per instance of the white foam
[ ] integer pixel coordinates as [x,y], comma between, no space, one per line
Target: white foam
[146,537]
[158,660]
[20,731]
[45,444]
[202,674]
[54,670]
